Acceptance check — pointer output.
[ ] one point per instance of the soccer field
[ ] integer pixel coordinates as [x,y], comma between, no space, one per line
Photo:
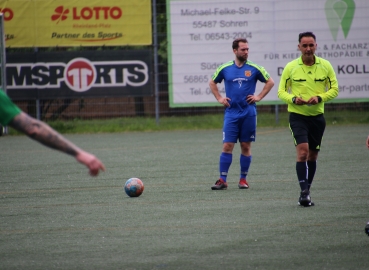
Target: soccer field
[55,216]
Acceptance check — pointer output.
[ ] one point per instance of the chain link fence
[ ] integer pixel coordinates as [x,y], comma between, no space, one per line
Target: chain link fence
[147,106]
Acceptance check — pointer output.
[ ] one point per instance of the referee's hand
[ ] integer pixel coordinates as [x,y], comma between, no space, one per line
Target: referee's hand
[313,101]
[300,101]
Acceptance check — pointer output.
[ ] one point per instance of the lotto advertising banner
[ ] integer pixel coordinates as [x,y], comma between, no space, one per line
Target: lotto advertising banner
[44,23]
[200,35]
[48,75]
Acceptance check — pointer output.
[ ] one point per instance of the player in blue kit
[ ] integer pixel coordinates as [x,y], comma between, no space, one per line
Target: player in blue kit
[240,77]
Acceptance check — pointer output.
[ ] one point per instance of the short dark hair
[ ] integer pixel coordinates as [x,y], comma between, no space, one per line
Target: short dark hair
[306,34]
[235,43]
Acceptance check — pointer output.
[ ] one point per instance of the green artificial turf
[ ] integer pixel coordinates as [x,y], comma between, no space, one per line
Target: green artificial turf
[55,216]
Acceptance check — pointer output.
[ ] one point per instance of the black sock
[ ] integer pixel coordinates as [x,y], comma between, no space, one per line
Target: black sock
[302,171]
[311,170]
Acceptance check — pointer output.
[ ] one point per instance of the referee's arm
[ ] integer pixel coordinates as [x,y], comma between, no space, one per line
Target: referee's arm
[332,84]
[284,86]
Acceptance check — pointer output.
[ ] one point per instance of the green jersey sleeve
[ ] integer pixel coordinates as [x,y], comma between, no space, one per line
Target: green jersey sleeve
[8,110]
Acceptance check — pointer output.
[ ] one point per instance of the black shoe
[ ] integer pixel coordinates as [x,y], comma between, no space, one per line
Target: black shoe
[310,204]
[367,228]
[305,199]
[220,185]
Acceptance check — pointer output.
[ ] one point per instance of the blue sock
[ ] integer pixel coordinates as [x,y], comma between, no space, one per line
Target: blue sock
[311,170]
[302,171]
[225,161]
[245,162]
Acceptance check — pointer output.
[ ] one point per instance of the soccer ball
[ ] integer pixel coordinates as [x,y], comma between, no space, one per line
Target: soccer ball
[134,187]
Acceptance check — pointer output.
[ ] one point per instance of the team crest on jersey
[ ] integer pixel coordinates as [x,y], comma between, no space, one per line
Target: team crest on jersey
[248,73]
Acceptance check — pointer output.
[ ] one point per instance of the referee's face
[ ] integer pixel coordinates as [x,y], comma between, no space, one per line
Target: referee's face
[242,52]
[307,46]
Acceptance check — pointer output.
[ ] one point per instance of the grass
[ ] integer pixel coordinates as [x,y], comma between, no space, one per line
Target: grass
[199,122]
[54,216]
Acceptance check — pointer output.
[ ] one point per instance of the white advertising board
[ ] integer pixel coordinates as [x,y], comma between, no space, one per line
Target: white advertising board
[200,35]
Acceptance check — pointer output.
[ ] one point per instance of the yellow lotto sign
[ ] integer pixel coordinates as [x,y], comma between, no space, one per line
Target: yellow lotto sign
[44,23]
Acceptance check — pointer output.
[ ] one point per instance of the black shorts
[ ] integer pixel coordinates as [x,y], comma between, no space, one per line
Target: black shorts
[307,129]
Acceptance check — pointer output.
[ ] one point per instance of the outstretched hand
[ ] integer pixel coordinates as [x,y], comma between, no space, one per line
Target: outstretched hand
[92,163]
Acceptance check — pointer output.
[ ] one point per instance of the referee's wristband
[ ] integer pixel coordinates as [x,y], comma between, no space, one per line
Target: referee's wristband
[319,99]
[293,100]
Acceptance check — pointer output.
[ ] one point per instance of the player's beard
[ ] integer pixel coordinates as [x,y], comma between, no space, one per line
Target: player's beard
[242,58]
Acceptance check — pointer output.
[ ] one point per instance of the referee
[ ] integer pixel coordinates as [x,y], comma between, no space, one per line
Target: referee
[306,83]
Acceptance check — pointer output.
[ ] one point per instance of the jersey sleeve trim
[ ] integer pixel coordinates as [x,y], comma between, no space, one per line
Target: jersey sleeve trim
[220,68]
[260,68]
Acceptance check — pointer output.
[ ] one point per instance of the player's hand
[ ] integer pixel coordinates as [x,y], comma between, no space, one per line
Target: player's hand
[92,163]
[224,101]
[313,101]
[367,142]
[252,99]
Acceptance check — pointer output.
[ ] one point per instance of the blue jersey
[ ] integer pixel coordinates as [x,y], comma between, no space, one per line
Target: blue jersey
[240,82]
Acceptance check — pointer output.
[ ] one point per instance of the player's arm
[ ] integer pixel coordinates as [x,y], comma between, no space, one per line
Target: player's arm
[214,89]
[266,89]
[47,136]
[367,142]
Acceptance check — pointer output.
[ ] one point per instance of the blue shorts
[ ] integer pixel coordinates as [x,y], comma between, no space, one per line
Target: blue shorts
[241,128]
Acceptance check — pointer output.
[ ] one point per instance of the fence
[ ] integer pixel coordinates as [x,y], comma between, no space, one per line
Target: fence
[147,106]
[105,108]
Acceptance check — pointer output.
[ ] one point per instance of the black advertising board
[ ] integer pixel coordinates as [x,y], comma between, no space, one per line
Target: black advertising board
[76,74]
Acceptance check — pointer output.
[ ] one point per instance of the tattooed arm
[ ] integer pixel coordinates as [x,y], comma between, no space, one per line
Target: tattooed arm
[47,136]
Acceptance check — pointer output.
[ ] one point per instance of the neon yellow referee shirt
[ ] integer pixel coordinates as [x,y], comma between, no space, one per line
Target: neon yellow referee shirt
[299,80]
